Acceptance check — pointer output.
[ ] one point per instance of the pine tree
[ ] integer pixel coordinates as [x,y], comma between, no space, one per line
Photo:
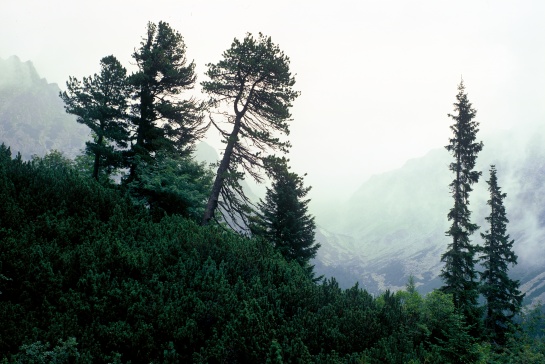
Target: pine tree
[252,80]
[503,298]
[100,102]
[283,217]
[459,274]
[163,121]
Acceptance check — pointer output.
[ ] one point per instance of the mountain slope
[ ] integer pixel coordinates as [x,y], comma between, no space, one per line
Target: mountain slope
[32,116]
[395,222]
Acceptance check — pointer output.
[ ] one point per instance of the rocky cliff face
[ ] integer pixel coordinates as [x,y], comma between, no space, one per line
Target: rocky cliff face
[32,116]
[394,225]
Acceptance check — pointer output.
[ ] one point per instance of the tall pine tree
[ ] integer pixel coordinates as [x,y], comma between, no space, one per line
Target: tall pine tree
[283,218]
[163,122]
[503,298]
[459,274]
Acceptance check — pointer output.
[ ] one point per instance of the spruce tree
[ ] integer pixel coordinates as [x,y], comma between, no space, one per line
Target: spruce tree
[459,274]
[283,218]
[502,295]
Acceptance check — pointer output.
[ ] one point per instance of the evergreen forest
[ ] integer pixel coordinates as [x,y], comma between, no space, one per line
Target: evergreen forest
[133,252]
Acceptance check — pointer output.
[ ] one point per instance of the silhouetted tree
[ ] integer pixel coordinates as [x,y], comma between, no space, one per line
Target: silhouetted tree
[100,102]
[252,80]
[162,121]
[459,274]
[503,298]
[283,218]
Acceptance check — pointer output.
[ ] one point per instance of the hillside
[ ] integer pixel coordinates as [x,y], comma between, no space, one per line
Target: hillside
[88,277]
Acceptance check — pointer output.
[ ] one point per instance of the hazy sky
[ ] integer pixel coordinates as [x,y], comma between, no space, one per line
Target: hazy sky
[377,78]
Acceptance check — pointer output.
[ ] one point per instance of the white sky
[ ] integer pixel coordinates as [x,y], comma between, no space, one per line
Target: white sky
[377,78]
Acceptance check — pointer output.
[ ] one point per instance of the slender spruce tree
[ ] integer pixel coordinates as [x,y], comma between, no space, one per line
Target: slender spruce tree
[162,120]
[502,294]
[251,89]
[459,274]
[283,218]
[100,102]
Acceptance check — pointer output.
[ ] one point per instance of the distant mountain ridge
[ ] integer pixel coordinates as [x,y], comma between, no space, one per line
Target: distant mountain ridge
[32,116]
[394,225]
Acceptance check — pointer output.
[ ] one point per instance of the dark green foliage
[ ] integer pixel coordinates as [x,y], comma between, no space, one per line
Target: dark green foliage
[39,353]
[459,274]
[526,345]
[283,218]
[100,102]
[502,294]
[163,121]
[173,185]
[161,127]
[254,82]
[84,269]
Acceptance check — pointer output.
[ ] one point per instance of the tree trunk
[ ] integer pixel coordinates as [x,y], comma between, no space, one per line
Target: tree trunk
[96,165]
[220,176]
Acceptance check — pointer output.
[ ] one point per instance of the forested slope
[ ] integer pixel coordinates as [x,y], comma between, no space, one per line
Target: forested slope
[87,276]
[79,261]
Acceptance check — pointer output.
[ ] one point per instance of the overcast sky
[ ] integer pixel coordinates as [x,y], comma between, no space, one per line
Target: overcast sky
[377,78]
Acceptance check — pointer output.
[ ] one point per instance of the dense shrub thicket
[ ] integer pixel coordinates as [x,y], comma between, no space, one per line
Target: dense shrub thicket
[87,276]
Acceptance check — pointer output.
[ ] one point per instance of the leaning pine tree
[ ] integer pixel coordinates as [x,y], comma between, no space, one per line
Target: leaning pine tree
[283,218]
[502,295]
[459,274]
[251,89]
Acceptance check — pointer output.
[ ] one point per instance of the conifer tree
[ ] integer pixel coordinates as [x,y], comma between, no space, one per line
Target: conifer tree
[251,89]
[459,274]
[283,218]
[502,295]
[100,102]
[162,120]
